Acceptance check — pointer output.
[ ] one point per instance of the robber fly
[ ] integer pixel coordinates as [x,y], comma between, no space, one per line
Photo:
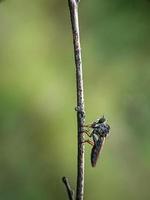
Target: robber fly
[100,130]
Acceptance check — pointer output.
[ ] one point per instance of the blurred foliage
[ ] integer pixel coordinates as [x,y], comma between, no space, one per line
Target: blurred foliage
[37,98]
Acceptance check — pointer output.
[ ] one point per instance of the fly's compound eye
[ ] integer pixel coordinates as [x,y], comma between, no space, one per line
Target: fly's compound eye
[102,120]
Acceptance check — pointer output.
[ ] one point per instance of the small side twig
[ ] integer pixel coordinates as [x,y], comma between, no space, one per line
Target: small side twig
[68,188]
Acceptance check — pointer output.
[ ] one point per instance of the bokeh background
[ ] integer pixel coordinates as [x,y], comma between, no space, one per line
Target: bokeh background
[37,98]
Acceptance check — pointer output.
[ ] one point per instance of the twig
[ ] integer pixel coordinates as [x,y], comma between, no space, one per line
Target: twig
[73,6]
[68,188]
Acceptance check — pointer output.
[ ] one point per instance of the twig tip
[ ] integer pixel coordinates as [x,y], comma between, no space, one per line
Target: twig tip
[68,188]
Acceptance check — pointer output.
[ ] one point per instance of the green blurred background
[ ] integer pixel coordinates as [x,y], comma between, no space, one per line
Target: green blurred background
[37,98]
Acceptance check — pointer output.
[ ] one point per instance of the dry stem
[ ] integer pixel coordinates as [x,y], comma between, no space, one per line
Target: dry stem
[73,6]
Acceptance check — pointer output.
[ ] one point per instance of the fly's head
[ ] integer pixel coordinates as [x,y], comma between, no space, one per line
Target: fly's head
[99,121]
[102,120]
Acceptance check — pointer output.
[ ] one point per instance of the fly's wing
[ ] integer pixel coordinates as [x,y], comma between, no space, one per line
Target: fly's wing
[96,150]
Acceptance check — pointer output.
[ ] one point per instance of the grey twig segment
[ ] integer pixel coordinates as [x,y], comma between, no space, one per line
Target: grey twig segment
[68,188]
[73,6]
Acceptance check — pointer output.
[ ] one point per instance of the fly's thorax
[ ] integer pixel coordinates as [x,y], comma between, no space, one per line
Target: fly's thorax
[101,130]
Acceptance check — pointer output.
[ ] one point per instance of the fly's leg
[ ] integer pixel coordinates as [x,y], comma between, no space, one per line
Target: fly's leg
[88,126]
[87,132]
[89,142]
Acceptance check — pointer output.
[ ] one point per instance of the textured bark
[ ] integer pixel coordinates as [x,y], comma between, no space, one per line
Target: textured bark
[73,6]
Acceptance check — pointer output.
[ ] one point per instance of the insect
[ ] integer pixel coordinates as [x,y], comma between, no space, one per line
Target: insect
[100,130]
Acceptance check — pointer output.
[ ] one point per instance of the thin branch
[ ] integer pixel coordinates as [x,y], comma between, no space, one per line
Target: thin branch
[68,188]
[73,6]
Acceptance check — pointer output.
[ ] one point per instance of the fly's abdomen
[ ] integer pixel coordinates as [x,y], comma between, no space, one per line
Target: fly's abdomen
[96,150]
